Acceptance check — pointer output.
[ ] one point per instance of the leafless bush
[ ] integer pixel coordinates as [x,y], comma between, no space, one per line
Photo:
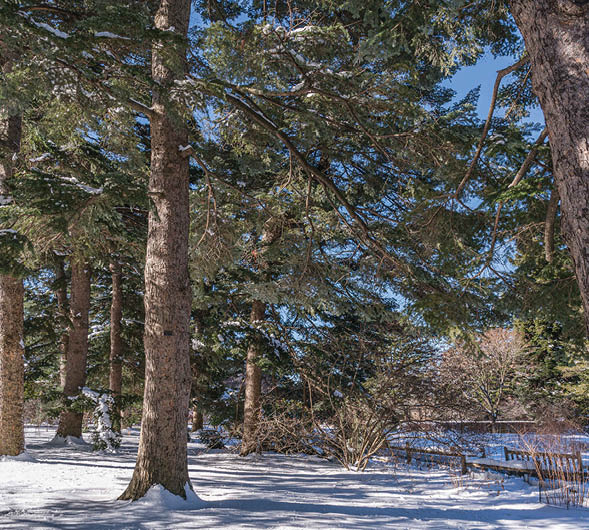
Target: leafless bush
[35,413]
[481,370]
[357,380]
[287,429]
[355,432]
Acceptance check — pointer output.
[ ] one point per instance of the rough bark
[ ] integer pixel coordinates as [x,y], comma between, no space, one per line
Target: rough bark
[253,384]
[162,455]
[62,309]
[197,419]
[198,374]
[11,314]
[115,378]
[556,34]
[273,229]
[11,366]
[549,223]
[70,421]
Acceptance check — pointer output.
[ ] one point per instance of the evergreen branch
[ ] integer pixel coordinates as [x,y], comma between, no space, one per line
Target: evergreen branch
[500,75]
[218,177]
[516,180]
[137,106]
[48,8]
[318,175]
[529,158]
[456,195]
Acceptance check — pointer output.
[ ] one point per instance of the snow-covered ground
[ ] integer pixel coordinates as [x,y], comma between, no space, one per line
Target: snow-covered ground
[74,488]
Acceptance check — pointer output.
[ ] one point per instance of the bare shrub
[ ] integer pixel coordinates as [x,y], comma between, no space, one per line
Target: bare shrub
[287,429]
[482,369]
[355,432]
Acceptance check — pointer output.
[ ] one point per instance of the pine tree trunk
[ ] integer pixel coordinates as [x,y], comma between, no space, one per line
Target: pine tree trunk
[70,421]
[253,387]
[197,419]
[549,223]
[12,438]
[62,309]
[11,366]
[162,457]
[556,33]
[115,378]
[197,366]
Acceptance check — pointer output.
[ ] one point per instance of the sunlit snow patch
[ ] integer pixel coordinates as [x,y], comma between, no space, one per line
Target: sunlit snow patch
[23,457]
[159,498]
[69,441]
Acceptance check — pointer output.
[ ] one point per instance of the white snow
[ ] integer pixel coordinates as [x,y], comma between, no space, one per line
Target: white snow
[298,86]
[41,158]
[197,344]
[160,499]
[512,464]
[23,457]
[109,35]
[104,436]
[183,148]
[50,29]
[68,441]
[84,187]
[69,488]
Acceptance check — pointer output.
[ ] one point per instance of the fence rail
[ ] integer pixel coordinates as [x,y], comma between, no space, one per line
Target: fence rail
[570,464]
[413,453]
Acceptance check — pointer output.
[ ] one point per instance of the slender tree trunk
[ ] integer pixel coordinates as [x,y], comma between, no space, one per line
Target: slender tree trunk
[115,378]
[197,366]
[162,457]
[62,309]
[549,223]
[70,422]
[197,419]
[556,33]
[12,438]
[253,387]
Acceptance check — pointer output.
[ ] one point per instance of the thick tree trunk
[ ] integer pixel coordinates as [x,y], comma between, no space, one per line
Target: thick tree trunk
[115,378]
[62,309]
[253,387]
[12,439]
[556,33]
[11,366]
[162,457]
[70,421]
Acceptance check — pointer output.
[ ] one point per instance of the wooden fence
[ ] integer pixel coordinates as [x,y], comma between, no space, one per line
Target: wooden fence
[568,464]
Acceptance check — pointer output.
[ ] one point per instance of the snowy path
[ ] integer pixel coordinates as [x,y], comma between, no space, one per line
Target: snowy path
[74,489]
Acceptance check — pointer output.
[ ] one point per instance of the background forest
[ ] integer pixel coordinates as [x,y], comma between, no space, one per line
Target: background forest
[286,208]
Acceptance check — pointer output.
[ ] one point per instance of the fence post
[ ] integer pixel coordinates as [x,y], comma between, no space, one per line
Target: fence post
[506,451]
[408,452]
[463,468]
[539,490]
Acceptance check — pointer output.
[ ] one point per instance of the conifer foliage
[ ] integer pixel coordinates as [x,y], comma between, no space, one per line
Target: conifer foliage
[280,216]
